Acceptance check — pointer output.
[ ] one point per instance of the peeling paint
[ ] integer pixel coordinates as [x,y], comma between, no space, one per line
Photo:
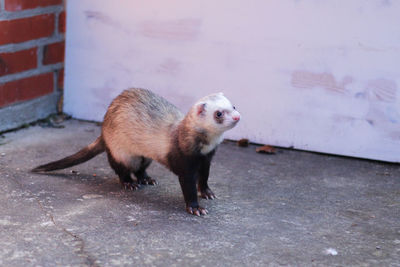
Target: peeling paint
[174,30]
[104,19]
[382,90]
[169,66]
[383,112]
[308,80]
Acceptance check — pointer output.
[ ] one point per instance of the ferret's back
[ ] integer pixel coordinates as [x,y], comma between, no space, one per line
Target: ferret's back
[139,120]
[144,107]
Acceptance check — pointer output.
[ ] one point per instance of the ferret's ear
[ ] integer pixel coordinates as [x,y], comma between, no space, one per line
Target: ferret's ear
[201,108]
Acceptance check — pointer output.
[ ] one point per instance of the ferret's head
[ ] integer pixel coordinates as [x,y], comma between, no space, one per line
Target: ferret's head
[216,114]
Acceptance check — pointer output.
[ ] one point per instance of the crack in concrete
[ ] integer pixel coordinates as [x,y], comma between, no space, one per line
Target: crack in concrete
[89,260]
[83,253]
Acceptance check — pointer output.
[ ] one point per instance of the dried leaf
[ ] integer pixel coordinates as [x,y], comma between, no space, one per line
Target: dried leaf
[243,142]
[266,149]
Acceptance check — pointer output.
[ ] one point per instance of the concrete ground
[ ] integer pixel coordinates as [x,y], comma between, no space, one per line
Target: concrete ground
[292,208]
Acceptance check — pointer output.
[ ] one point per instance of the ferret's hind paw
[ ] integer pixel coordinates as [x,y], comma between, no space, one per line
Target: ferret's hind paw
[148,181]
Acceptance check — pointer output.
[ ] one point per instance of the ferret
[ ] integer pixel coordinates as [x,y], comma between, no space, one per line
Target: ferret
[140,126]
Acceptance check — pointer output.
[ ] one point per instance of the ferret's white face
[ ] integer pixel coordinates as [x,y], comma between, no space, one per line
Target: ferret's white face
[217,114]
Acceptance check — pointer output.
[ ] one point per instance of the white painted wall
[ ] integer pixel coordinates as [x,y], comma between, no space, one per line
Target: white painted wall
[316,75]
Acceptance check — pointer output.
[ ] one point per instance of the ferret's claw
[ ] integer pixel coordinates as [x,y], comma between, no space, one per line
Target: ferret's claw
[131,186]
[207,194]
[148,181]
[196,211]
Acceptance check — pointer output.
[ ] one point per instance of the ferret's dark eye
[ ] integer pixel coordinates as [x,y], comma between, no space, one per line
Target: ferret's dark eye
[234,107]
[218,114]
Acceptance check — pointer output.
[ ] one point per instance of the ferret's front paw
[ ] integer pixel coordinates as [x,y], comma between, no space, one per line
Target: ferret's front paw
[131,186]
[207,194]
[196,211]
[148,181]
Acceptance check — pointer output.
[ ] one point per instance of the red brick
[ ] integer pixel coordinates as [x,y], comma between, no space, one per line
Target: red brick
[21,30]
[26,89]
[53,53]
[60,79]
[16,5]
[61,22]
[18,61]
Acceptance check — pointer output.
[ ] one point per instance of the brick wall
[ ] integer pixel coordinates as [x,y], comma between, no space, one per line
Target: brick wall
[31,56]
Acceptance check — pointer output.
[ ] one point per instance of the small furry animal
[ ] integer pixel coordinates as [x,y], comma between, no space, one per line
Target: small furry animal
[140,126]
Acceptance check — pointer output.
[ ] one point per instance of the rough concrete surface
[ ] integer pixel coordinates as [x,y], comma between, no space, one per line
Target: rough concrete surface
[292,208]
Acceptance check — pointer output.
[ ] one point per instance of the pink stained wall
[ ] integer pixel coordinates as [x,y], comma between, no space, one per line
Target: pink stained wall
[314,75]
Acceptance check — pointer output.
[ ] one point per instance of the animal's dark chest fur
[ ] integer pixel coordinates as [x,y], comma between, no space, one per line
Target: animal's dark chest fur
[184,164]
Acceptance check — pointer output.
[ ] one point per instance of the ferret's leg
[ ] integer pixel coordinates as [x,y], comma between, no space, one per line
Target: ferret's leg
[204,171]
[123,173]
[141,174]
[188,185]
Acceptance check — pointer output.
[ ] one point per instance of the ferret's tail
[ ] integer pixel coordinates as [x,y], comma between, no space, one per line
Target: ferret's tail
[83,155]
